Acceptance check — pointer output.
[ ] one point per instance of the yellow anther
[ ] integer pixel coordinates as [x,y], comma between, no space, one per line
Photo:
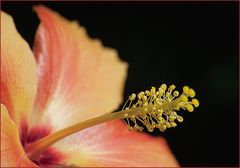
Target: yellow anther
[147,92]
[172,87]
[184,98]
[162,128]
[172,117]
[168,125]
[132,97]
[153,90]
[189,107]
[161,91]
[150,126]
[164,87]
[144,98]
[140,95]
[173,124]
[175,93]
[192,93]
[179,118]
[195,102]
[186,90]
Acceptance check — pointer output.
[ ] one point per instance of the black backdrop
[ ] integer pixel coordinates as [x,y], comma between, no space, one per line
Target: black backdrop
[180,43]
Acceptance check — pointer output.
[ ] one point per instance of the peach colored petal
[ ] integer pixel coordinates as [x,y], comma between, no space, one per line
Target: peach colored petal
[111,144]
[12,152]
[18,72]
[79,78]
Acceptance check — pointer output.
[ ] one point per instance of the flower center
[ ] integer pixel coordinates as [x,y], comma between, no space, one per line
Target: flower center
[48,157]
[153,109]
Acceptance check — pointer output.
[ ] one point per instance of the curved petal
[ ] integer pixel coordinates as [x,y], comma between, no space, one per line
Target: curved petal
[12,152]
[111,144]
[18,72]
[78,77]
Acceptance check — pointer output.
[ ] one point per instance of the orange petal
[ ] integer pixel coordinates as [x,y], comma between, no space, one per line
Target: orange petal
[79,78]
[18,72]
[111,144]
[12,152]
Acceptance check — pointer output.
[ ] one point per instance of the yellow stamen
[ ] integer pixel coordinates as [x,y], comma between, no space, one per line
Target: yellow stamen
[157,109]
[195,102]
[154,109]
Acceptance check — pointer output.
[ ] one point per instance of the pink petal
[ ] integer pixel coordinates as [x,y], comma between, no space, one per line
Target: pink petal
[79,78]
[111,144]
[18,72]
[12,152]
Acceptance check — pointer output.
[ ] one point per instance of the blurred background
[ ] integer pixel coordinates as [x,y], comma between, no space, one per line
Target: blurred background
[190,43]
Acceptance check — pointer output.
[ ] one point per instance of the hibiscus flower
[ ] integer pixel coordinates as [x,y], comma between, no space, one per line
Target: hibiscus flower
[70,79]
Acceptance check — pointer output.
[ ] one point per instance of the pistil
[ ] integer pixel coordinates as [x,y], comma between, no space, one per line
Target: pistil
[152,108]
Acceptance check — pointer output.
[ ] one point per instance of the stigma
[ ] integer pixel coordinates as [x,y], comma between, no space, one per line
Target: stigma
[157,108]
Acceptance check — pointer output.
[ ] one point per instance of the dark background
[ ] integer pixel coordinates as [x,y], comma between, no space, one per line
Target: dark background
[193,44]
